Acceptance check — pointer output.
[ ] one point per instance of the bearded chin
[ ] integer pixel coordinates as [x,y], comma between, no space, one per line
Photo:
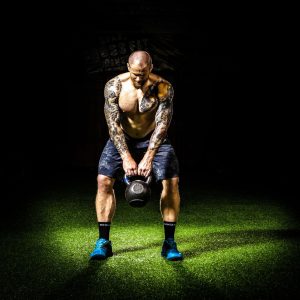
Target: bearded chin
[138,85]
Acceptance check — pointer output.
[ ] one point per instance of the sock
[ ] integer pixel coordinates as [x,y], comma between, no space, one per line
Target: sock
[104,228]
[169,230]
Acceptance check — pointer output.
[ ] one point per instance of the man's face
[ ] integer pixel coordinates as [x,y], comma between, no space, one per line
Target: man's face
[139,75]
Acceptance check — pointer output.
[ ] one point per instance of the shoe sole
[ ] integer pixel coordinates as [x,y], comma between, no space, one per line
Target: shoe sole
[175,258]
[101,257]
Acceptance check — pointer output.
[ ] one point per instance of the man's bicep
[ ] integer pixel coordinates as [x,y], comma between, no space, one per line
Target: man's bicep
[164,112]
[163,119]
[112,114]
[112,89]
[111,94]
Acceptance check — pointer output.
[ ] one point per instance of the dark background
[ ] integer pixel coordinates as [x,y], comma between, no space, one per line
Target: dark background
[233,116]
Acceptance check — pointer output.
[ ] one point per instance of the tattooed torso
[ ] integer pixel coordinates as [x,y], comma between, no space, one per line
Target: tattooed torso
[138,111]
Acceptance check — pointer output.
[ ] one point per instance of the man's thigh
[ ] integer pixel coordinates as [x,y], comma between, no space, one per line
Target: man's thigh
[110,162]
[165,163]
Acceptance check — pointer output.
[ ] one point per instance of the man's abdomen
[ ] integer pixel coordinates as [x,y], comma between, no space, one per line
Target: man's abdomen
[137,130]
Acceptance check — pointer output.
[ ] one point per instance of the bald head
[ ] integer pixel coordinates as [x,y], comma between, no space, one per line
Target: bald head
[140,58]
[139,66]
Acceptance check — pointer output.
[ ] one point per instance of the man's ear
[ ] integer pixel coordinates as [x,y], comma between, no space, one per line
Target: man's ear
[128,67]
[151,67]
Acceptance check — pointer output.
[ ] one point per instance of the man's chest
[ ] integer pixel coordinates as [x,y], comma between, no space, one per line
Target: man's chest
[137,101]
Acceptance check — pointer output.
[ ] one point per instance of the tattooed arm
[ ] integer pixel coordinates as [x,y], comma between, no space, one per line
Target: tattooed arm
[162,119]
[112,115]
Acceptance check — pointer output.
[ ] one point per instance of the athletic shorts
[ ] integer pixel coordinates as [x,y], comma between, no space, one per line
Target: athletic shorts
[165,162]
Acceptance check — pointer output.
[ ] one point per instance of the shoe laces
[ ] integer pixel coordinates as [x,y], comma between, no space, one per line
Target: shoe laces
[102,242]
[172,244]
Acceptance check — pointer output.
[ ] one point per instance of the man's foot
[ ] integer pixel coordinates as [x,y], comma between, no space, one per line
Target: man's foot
[169,250]
[102,250]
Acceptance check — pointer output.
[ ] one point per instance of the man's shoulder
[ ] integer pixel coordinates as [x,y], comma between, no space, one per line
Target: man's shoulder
[160,81]
[118,79]
[164,87]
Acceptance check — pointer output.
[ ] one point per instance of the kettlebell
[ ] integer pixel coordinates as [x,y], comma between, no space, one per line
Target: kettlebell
[138,191]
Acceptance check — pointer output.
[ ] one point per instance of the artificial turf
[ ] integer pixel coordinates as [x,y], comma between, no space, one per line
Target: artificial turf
[236,245]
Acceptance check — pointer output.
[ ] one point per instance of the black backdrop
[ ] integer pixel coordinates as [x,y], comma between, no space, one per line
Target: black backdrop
[232,115]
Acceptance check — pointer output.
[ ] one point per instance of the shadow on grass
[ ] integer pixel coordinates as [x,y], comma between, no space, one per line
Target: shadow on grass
[193,288]
[138,248]
[88,285]
[78,287]
[188,284]
[225,240]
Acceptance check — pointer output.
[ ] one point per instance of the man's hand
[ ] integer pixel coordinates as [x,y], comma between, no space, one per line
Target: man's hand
[129,165]
[145,165]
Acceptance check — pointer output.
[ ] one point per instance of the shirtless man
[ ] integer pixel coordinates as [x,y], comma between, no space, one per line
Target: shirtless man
[138,110]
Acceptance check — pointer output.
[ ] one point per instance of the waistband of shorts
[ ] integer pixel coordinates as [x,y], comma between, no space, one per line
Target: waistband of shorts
[143,139]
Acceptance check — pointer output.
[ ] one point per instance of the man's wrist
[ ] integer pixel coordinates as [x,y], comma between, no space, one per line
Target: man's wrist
[151,153]
[125,155]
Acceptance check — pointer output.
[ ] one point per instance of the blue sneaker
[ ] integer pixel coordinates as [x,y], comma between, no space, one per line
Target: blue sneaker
[170,252]
[102,250]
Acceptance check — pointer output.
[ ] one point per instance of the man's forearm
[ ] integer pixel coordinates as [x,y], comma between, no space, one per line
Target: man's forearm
[157,137]
[115,131]
[117,136]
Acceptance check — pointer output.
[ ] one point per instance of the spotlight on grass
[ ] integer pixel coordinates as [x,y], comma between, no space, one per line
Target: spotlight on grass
[233,248]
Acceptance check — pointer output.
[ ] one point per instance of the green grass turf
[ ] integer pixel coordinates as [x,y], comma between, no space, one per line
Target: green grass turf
[235,246]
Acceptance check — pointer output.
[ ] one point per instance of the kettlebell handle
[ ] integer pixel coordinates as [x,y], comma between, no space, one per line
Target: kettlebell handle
[127,179]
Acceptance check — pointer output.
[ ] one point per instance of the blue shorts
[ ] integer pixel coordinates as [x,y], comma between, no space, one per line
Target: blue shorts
[165,162]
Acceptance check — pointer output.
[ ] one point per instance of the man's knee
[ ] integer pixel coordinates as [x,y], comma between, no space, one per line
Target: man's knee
[170,186]
[105,183]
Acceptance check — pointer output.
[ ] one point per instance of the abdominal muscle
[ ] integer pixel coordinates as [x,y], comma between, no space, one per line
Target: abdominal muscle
[138,127]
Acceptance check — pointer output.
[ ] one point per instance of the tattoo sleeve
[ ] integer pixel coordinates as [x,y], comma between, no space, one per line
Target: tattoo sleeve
[112,114]
[163,119]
